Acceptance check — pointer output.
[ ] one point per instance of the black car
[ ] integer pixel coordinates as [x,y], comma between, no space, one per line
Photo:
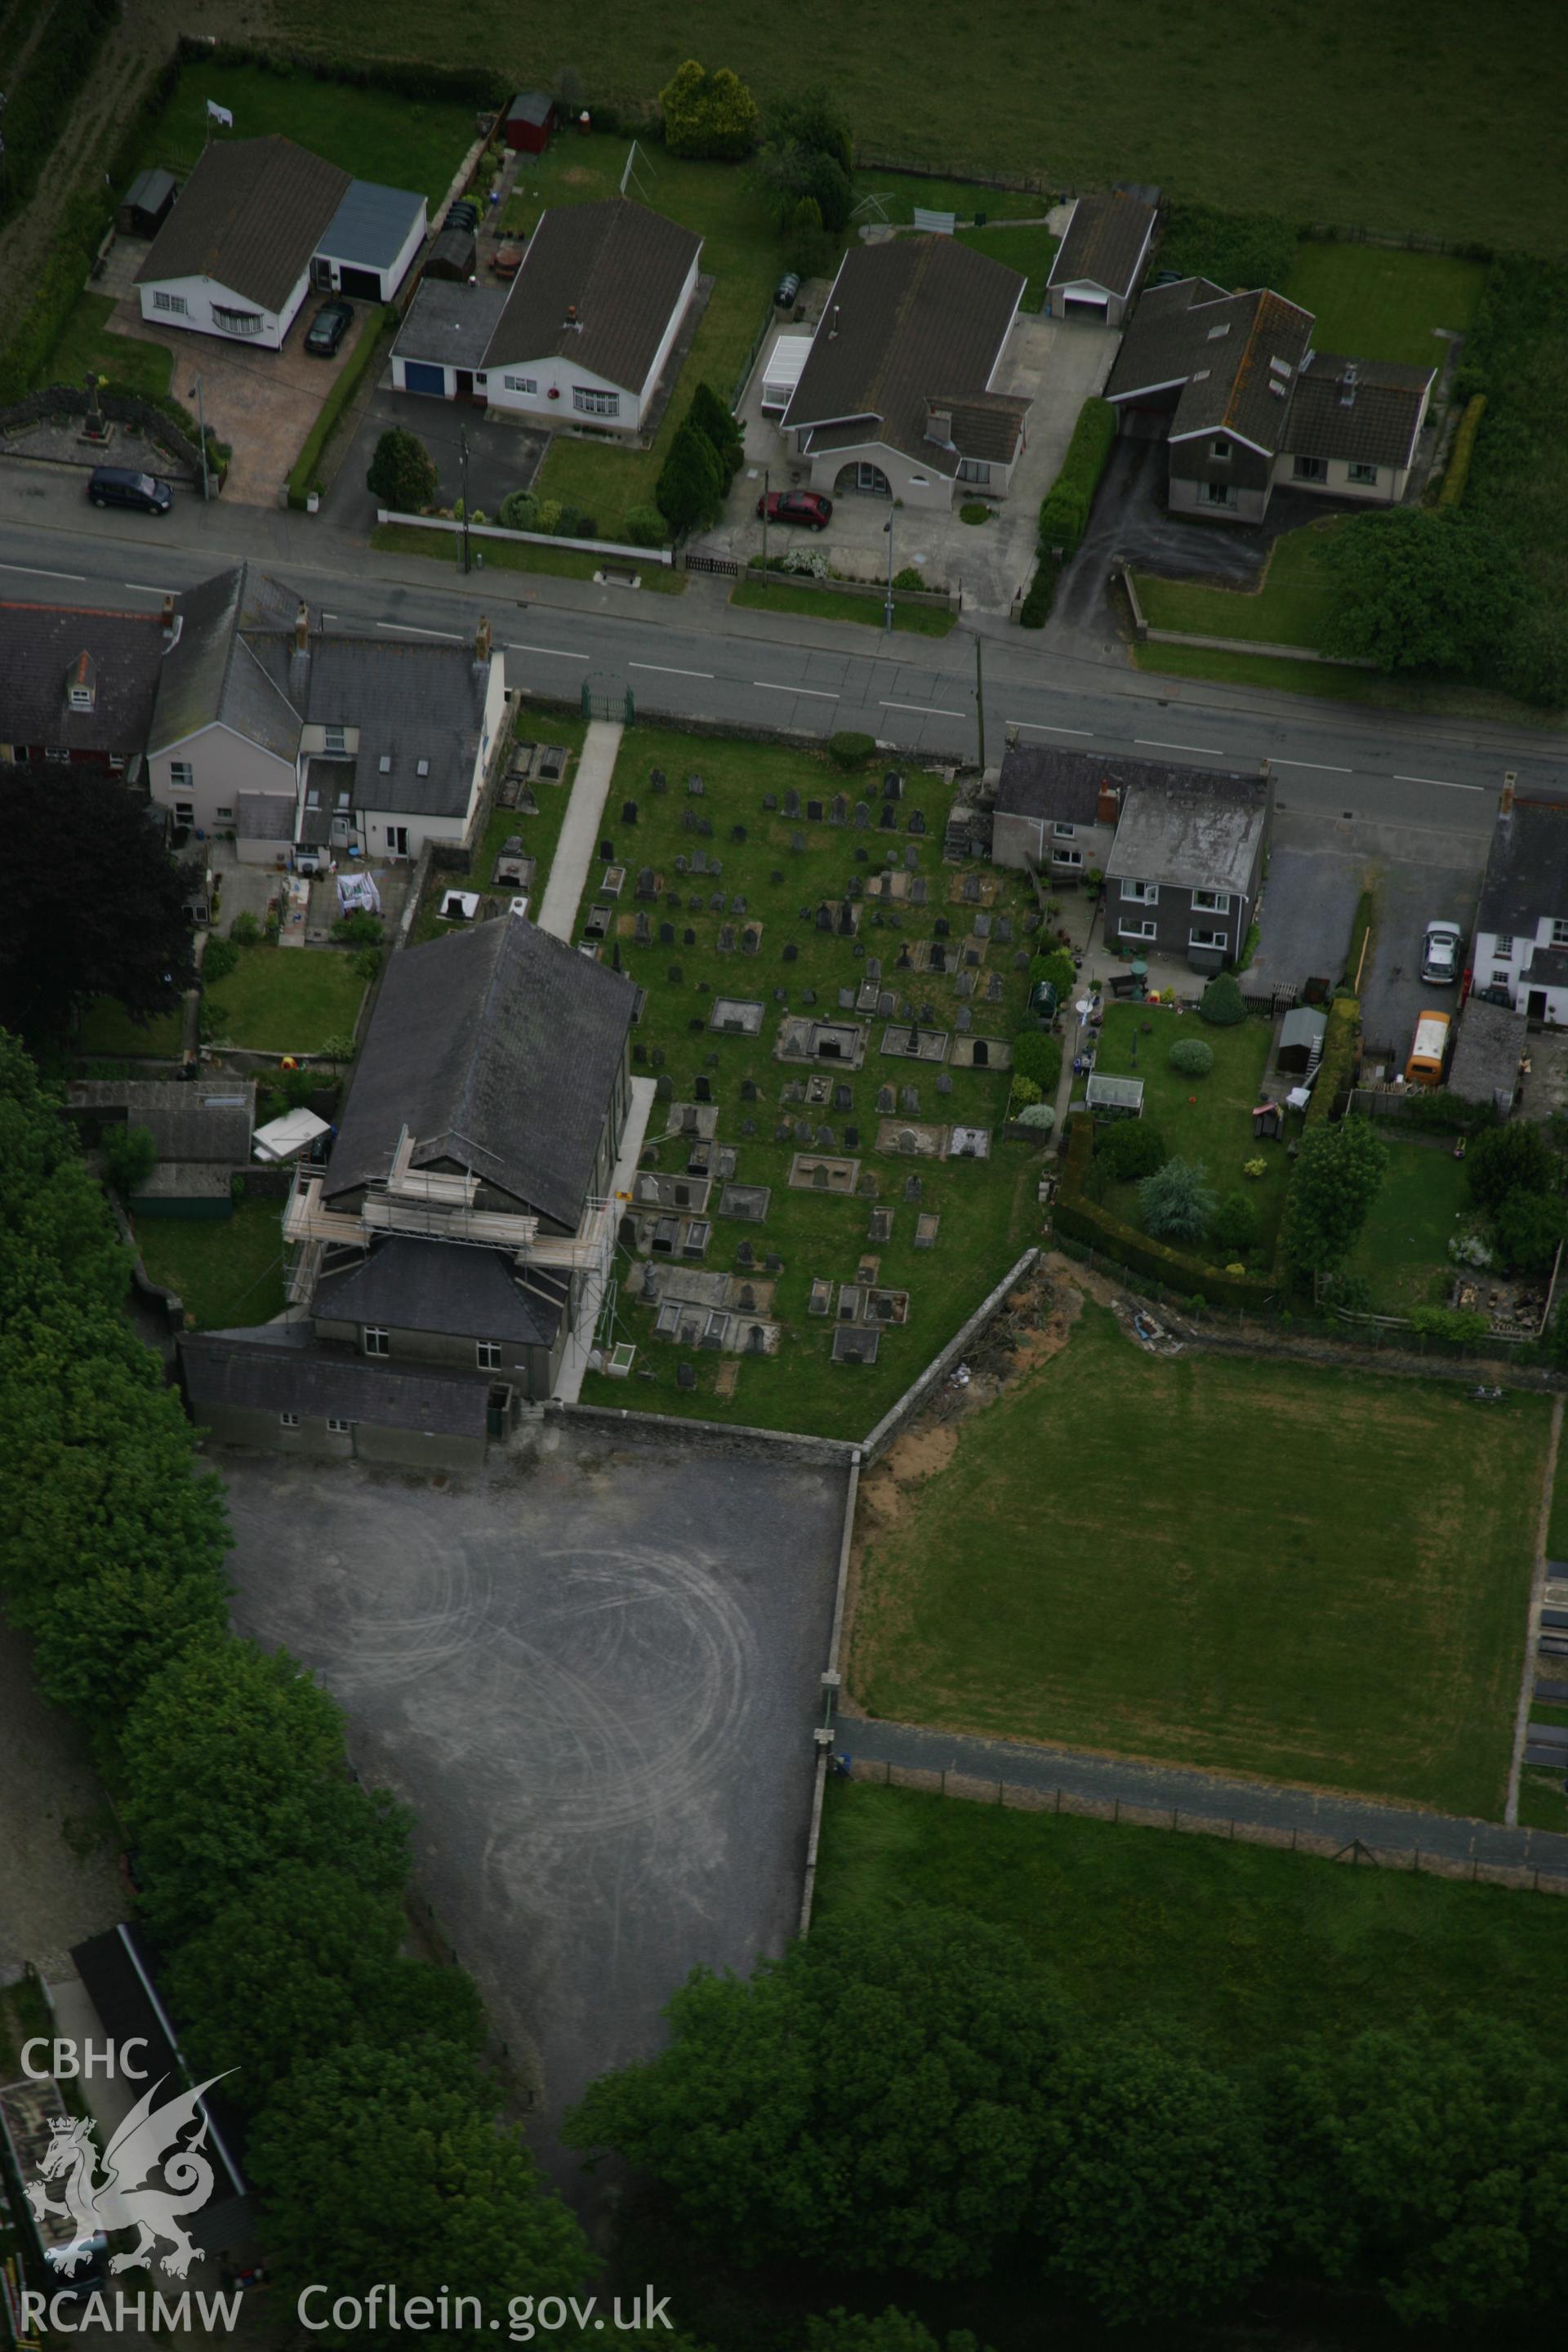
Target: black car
[328,327]
[121,485]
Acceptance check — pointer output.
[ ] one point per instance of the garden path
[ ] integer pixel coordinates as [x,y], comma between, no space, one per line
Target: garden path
[580,832]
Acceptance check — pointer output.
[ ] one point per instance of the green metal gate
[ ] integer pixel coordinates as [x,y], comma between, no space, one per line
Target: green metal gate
[607,697]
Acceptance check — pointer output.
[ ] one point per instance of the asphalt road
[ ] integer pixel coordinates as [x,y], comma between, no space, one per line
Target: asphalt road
[692,657]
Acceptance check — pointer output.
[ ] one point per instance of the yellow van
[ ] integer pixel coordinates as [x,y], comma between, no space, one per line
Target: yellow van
[1424,1067]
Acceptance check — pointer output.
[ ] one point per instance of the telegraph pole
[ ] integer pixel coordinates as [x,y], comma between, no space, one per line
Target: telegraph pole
[764,527]
[980,698]
[463,446]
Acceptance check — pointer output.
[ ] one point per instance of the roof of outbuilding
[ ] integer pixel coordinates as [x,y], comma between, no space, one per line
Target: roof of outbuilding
[498,1049]
[1486,1055]
[372,224]
[1192,828]
[1106,239]
[619,267]
[264,1371]
[911,325]
[40,642]
[411,1285]
[250,216]
[187,1121]
[264,816]
[1527,868]
[450,323]
[1366,411]
[1236,357]
[531,106]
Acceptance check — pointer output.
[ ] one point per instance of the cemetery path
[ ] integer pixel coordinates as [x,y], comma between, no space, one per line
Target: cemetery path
[580,831]
[876,1750]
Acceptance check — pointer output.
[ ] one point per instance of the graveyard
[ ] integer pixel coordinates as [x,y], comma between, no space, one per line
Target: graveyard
[832,986]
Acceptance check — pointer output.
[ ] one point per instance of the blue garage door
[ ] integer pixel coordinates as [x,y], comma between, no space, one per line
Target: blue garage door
[419,376]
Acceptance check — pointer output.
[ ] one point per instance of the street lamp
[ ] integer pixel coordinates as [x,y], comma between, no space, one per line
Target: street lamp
[887,527]
[463,446]
[195,393]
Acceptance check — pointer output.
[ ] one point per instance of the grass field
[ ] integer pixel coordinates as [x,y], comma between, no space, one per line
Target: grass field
[987,1208]
[1316,1576]
[506,555]
[227,1273]
[1238,1948]
[399,141]
[1279,675]
[287,1000]
[87,344]
[1288,607]
[1403,1252]
[827,605]
[1429,126]
[1371,302]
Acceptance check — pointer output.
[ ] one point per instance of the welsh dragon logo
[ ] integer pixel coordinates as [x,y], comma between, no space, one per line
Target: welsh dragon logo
[123,2197]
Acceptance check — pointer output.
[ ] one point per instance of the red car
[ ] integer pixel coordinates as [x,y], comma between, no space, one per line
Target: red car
[809,507]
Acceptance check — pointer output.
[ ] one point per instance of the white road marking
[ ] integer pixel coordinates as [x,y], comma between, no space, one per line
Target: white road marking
[1320,766]
[145,588]
[1446,784]
[1158,743]
[36,571]
[1038,727]
[668,670]
[927,709]
[818,694]
[557,653]
[407,629]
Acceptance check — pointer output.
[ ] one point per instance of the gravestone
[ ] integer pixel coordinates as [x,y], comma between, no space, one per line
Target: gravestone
[938,956]
[726,940]
[716,903]
[810,996]
[688,939]
[886,1005]
[917,823]
[1032,923]
[842,1098]
[682,863]
[700,861]
[912,857]
[873,967]
[737,832]
[851,1138]
[825,916]
[838,810]
[819,1178]
[887,1102]
[963,986]
[792,803]
[982,926]
[943,1082]
[694,786]
[738,904]
[910,1101]
[689,820]
[675,975]
[747,1127]
[943,927]
[793,1091]
[702,1086]
[790,952]
[608,851]
[685,1376]
[825,1139]
[628,812]
[642,936]
[695,904]
[1004,929]
[658,1057]
[964,1021]
[1020,958]
[770,801]
[813,812]
[748,1090]
[647,883]
[846,1000]
[855,887]
[846,925]
[751,939]
[905,962]
[994,988]
[890,817]
[803,1131]
[892,785]
[745,1255]
[773,1263]
[880,1228]
[657,779]
[705,828]
[664,1088]
[981,1058]
[971,889]
[912,1187]
[783,1131]
[797,843]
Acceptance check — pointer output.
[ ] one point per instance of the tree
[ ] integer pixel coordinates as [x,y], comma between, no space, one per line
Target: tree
[106,919]
[890,2331]
[130,1154]
[712,419]
[1038,1056]
[1503,1160]
[1235,1224]
[234,1764]
[402,473]
[1337,1172]
[1058,968]
[1530,1226]
[813,118]
[689,492]
[1422,588]
[874,2100]
[1175,1202]
[1155,2199]
[1128,1150]
[364,2151]
[1190,1057]
[1222,1004]
[708,114]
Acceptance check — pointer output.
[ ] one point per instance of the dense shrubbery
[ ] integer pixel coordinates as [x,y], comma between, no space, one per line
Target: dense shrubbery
[849,748]
[1036,609]
[1064,511]
[1423,588]
[1176,1202]
[1127,1150]
[1457,472]
[710,115]
[1222,1004]
[1080,1218]
[1192,1057]
[1237,250]
[1038,1056]
[402,472]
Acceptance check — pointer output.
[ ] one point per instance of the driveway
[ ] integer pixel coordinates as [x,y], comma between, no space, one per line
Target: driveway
[501,456]
[1308,905]
[1419,878]
[594,1673]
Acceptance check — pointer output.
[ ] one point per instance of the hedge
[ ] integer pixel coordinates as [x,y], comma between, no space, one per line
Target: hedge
[483,87]
[1064,511]
[1460,456]
[1082,1220]
[351,375]
[1336,1071]
[1036,608]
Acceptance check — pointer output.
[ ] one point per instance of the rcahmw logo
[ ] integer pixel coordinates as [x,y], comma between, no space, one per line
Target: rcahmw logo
[125,2195]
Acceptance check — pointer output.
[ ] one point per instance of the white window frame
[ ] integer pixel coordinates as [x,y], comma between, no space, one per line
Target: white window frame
[183,812]
[1139,932]
[974,470]
[374,1340]
[1503,944]
[182,776]
[487,1355]
[588,401]
[1065,832]
[1216,494]
[1366,475]
[336,740]
[1220,940]
[520,382]
[288,1419]
[1560,932]
[244,324]
[1308,469]
[1502,980]
[1067,857]
[117,763]
[223,816]
[337,1428]
[175,304]
[1220,450]
[1140,893]
[1211,902]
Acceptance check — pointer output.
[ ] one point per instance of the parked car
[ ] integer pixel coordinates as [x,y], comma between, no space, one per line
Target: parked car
[121,485]
[809,507]
[1440,954]
[1430,1050]
[328,327]
[507,259]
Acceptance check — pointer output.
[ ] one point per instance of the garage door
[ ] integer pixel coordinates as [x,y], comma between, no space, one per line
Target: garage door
[365,283]
[1086,306]
[419,376]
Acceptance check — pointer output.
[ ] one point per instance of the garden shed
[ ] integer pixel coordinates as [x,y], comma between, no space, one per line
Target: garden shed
[528,121]
[1109,1097]
[147,202]
[1301,1038]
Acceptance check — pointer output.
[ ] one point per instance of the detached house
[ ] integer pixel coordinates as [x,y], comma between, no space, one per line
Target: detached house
[1521,923]
[902,394]
[1233,385]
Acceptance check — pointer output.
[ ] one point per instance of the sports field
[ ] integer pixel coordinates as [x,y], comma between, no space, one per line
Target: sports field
[1316,1576]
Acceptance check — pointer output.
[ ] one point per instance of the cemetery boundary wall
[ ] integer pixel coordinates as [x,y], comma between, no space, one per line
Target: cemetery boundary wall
[830,1683]
[921,1389]
[739,1437]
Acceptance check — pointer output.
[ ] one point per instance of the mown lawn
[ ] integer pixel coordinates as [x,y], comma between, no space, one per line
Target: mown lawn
[1236,1947]
[1030,250]
[827,605]
[287,1000]
[987,1209]
[402,142]
[228,1272]
[1289,606]
[1373,302]
[1403,1252]
[107,1028]
[516,556]
[1317,1575]
[539,834]
[89,342]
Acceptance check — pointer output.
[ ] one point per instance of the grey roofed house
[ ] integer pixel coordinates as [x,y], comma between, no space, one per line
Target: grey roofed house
[1043,780]
[285,1369]
[209,672]
[912,327]
[1234,357]
[409,1284]
[372,224]
[619,267]
[1366,411]
[1106,241]
[450,323]
[209,1120]
[499,1050]
[1526,873]
[250,216]
[411,703]
[41,646]
[1194,828]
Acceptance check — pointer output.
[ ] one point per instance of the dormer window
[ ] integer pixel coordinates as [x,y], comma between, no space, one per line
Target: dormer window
[335,737]
[81,683]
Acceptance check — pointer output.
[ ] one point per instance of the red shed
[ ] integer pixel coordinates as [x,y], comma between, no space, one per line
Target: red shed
[529,120]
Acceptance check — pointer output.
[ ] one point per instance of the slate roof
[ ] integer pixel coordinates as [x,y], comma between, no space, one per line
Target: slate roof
[372,224]
[410,1285]
[39,643]
[1378,424]
[1107,237]
[1527,870]
[1225,351]
[265,1371]
[250,216]
[1038,781]
[188,1121]
[498,1049]
[208,672]
[916,323]
[411,702]
[120,1971]
[1192,828]
[535,106]
[450,323]
[621,267]
[1486,1054]
[264,816]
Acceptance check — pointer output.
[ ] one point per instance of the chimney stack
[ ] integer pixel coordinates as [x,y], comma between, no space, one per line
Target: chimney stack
[303,628]
[834,329]
[1108,807]
[482,643]
[168,616]
[1505,800]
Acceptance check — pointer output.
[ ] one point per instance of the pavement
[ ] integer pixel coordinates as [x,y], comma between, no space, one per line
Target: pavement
[1395,1829]
[581,828]
[578,1351]
[593,1669]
